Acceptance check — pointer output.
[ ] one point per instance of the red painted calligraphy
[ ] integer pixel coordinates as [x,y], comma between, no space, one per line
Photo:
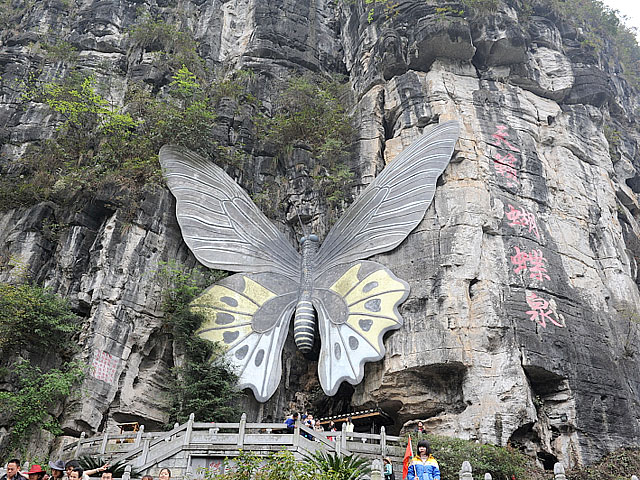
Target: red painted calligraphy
[522,218]
[541,311]
[104,367]
[532,261]
[501,138]
[505,166]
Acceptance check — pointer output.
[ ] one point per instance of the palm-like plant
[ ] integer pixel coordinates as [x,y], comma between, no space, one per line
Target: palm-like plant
[332,466]
[117,468]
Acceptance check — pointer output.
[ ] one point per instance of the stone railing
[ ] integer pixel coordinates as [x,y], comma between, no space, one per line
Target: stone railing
[466,473]
[194,444]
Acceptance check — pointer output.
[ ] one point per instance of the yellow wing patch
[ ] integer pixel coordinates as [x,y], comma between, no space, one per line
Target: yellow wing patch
[228,312]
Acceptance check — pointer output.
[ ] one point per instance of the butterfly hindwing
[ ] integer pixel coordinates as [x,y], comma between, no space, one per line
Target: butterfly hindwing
[356,305]
[249,315]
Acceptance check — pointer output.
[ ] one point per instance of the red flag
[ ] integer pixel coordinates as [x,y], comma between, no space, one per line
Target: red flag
[408,455]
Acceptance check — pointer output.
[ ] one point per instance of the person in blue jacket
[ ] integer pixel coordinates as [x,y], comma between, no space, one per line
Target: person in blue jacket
[423,466]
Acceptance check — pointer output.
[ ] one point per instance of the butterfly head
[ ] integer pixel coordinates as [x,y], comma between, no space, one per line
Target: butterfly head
[310,238]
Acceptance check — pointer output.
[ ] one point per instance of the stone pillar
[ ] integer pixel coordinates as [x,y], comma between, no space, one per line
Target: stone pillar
[465,472]
[633,477]
[487,476]
[127,473]
[343,437]
[187,434]
[241,430]
[383,441]
[78,450]
[376,469]
[558,472]
[139,437]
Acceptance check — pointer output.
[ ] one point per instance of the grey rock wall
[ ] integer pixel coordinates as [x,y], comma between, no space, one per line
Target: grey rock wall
[523,274]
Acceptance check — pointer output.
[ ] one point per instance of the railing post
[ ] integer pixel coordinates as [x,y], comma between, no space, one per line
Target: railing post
[465,472]
[487,476]
[145,452]
[105,441]
[139,437]
[343,437]
[241,429]
[187,434]
[296,433]
[76,454]
[558,472]
[633,477]
[127,473]
[376,469]
[383,441]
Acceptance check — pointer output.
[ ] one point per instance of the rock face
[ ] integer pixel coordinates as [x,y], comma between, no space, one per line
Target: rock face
[521,326]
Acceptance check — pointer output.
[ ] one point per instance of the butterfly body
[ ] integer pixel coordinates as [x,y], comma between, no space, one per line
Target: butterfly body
[305,319]
[352,301]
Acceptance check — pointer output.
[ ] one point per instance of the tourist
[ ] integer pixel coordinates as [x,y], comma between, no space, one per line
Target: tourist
[147,477]
[57,469]
[107,475]
[348,426]
[165,474]
[423,466]
[71,464]
[36,472]
[13,472]
[388,469]
[332,428]
[76,473]
[420,428]
[291,422]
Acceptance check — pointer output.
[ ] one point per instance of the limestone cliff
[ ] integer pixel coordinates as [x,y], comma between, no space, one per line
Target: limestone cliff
[521,323]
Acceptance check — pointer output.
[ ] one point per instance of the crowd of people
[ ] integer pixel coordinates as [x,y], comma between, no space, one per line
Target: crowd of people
[70,470]
[308,421]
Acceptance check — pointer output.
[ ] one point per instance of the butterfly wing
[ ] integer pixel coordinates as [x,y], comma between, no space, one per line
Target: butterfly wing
[393,204]
[249,315]
[219,222]
[356,305]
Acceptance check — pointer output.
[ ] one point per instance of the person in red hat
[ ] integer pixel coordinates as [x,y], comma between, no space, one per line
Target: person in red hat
[36,472]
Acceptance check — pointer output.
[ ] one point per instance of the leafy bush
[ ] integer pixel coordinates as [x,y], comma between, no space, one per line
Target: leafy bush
[35,393]
[204,384]
[116,468]
[617,465]
[333,466]
[35,319]
[98,144]
[500,462]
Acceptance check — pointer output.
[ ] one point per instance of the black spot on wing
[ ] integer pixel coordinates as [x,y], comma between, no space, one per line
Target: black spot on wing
[365,324]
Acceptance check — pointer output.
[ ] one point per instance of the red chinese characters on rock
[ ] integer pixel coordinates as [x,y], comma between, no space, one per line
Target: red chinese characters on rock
[104,367]
[522,218]
[532,261]
[542,310]
[505,166]
[500,137]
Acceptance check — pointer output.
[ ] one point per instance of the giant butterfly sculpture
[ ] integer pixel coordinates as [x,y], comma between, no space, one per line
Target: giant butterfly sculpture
[355,301]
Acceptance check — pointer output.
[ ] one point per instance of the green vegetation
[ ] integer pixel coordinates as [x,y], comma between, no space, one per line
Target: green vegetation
[36,321]
[601,28]
[333,466]
[204,384]
[500,462]
[174,48]
[99,144]
[310,114]
[617,465]
[283,466]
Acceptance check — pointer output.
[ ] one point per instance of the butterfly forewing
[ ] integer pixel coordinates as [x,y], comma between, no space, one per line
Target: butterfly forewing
[393,204]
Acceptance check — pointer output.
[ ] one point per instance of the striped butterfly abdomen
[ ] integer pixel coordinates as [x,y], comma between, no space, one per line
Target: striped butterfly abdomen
[304,321]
